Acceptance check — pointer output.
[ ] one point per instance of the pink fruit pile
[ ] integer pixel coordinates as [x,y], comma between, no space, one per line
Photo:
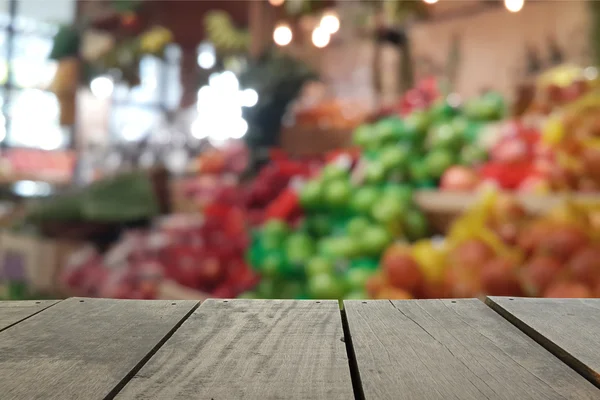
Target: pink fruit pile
[206,255]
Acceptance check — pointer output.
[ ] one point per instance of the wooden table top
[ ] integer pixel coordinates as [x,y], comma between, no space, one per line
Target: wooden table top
[505,348]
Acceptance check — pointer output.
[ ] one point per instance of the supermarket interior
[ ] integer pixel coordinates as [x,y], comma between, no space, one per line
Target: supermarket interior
[299,149]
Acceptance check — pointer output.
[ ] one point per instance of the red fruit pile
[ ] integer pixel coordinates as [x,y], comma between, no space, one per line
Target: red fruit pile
[420,97]
[206,255]
[518,161]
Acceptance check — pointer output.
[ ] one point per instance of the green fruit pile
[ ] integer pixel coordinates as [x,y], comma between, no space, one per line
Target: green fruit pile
[419,148]
[337,246]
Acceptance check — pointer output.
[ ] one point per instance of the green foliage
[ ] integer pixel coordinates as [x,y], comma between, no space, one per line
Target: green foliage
[126,197]
[123,6]
[66,43]
[224,35]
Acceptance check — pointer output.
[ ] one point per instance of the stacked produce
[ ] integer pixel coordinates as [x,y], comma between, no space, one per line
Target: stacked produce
[259,197]
[574,134]
[419,148]
[336,246]
[497,249]
[203,254]
[518,160]
[422,96]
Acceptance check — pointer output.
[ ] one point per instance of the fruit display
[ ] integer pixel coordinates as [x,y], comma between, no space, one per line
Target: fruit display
[258,196]
[332,250]
[420,147]
[205,254]
[497,249]
[422,96]
[574,135]
[517,160]
[560,86]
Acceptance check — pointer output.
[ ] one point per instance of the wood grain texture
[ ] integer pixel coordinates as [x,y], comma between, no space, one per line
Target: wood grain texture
[453,349]
[83,348]
[569,328]
[250,349]
[12,312]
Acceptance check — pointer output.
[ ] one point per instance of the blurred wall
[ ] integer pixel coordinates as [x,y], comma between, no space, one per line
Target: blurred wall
[492,46]
[493,42]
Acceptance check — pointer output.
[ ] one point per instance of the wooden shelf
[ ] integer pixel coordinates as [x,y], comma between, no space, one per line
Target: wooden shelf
[438,201]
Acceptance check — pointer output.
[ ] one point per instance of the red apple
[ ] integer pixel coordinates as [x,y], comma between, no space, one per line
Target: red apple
[584,266]
[401,270]
[538,274]
[472,252]
[568,290]
[459,178]
[499,278]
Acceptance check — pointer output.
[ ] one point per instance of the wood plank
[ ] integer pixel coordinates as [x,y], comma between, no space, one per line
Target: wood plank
[569,328]
[12,312]
[250,349]
[453,349]
[83,348]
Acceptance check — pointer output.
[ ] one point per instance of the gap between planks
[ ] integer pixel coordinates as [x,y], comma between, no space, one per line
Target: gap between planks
[115,391]
[31,315]
[352,362]
[574,363]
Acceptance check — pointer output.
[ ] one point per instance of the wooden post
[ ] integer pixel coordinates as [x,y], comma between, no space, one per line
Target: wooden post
[260,26]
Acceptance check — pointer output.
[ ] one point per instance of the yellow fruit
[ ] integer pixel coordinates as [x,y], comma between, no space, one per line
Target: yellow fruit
[431,260]
[553,132]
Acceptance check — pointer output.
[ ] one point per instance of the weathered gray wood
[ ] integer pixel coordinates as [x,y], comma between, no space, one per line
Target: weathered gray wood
[453,349]
[250,349]
[12,312]
[83,348]
[569,328]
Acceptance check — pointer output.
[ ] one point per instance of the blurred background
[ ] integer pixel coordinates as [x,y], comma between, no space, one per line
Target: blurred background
[299,148]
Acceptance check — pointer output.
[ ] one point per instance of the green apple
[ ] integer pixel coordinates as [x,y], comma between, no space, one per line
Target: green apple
[267,288]
[444,136]
[438,161]
[333,172]
[275,228]
[363,199]
[368,263]
[401,193]
[319,265]
[325,286]
[375,240]
[418,170]
[299,248]
[338,193]
[415,225]
[356,278]
[343,247]
[290,290]
[272,263]
[442,111]
[318,225]
[494,106]
[357,295]
[415,125]
[363,135]
[387,210]
[460,124]
[311,194]
[472,155]
[394,157]
[374,172]
[356,226]
[389,129]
